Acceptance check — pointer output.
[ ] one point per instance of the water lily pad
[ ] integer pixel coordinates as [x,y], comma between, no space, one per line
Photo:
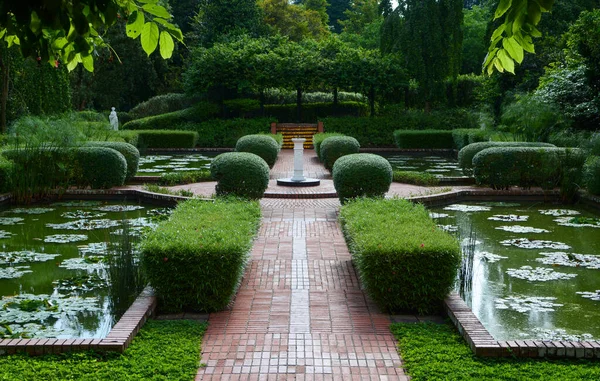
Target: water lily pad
[577,222]
[82,214]
[169,166]
[184,169]
[150,170]
[468,208]
[65,238]
[590,295]
[31,210]
[134,231]
[559,335]
[559,212]
[500,204]
[5,234]
[538,274]
[448,228]
[80,284]
[527,303]
[486,256]
[522,229]
[141,222]
[559,258]
[88,263]
[440,215]
[78,204]
[119,208]
[25,308]
[95,248]
[508,218]
[13,272]
[437,170]
[85,225]
[11,221]
[12,257]
[152,158]
[525,243]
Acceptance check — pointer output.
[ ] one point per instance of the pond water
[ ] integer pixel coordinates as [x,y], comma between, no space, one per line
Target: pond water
[54,268]
[442,166]
[155,165]
[536,268]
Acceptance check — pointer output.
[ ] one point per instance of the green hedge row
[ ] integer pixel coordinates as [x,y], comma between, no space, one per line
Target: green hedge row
[416,178]
[335,147]
[240,174]
[177,120]
[318,139]
[464,136]
[466,155]
[361,175]
[312,112]
[435,139]
[262,145]
[167,139]
[195,259]
[411,270]
[592,174]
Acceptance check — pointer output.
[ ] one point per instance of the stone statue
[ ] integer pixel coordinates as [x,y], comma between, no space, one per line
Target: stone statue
[114,120]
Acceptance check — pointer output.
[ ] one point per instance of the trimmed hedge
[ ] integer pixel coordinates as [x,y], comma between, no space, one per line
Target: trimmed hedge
[100,167]
[361,175]
[131,154]
[240,174]
[466,155]
[463,137]
[219,133]
[313,111]
[278,138]
[592,174]
[424,139]
[187,177]
[166,139]
[177,120]
[161,104]
[318,139]
[502,167]
[6,173]
[411,270]
[262,145]
[416,178]
[335,147]
[195,260]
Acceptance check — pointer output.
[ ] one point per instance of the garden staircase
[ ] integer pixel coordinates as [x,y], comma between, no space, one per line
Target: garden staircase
[296,130]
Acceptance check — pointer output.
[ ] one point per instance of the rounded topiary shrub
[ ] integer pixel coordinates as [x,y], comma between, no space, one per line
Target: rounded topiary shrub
[262,145]
[361,175]
[592,174]
[335,147]
[241,174]
[100,167]
[131,154]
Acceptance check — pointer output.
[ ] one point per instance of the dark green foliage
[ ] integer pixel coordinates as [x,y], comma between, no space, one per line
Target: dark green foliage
[240,108]
[187,177]
[92,116]
[311,112]
[195,259]
[278,139]
[176,120]
[161,350]
[440,139]
[100,167]
[161,104]
[336,10]
[416,178]
[361,175]
[592,174]
[465,136]
[474,45]
[531,118]
[335,147]
[220,133]
[465,91]
[166,139]
[412,269]
[437,352]
[262,145]
[131,154]
[240,174]
[6,169]
[467,153]
[502,167]
[318,139]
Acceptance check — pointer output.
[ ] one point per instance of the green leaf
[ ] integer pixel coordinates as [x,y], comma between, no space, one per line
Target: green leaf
[156,10]
[2,32]
[88,63]
[149,37]
[35,23]
[525,42]
[174,31]
[513,48]
[166,45]
[498,32]
[498,65]
[72,64]
[545,5]
[502,8]
[534,13]
[135,23]
[507,62]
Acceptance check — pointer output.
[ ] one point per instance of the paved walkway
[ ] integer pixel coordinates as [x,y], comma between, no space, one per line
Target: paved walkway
[300,313]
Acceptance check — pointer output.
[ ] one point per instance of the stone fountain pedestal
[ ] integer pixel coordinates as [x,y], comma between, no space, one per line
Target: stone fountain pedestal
[298,180]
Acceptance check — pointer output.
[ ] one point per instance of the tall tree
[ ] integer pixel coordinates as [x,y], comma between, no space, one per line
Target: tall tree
[336,14]
[293,20]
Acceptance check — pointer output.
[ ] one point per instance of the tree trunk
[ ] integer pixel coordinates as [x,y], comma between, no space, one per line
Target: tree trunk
[299,103]
[5,73]
[372,100]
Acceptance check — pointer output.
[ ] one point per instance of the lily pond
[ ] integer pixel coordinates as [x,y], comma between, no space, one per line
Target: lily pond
[530,271]
[155,165]
[57,262]
[441,166]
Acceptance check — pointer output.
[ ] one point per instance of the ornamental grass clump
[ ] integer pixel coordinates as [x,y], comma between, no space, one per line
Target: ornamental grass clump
[335,147]
[262,145]
[240,174]
[195,259]
[592,174]
[361,175]
[405,262]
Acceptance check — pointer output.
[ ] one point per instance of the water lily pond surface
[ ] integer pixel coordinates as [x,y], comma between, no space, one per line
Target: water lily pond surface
[53,267]
[536,268]
[155,165]
[441,166]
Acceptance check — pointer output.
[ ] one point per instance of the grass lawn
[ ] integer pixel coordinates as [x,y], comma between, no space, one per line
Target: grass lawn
[162,350]
[436,352]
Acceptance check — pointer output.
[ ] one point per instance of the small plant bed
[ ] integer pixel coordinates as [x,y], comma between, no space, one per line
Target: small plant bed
[437,352]
[156,165]
[162,190]
[162,350]
[179,178]
[416,178]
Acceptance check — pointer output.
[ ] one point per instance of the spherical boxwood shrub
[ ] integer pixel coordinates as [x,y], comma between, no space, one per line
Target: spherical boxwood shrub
[100,167]
[131,154]
[592,174]
[241,174]
[361,175]
[335,147]
[467,153]
[318,138]
[262,145]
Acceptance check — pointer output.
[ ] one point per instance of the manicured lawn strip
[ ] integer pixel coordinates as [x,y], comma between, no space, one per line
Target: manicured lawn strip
[436,352]
[162,350]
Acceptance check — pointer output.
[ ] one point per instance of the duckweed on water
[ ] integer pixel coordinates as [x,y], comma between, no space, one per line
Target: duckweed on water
[468,208]
[14,272]
[525,243]
[522,229]
[570,259]
[558,212]
[65,238]
[119,208]
[590,295]
[538,274]
[527,303]
[81,214]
